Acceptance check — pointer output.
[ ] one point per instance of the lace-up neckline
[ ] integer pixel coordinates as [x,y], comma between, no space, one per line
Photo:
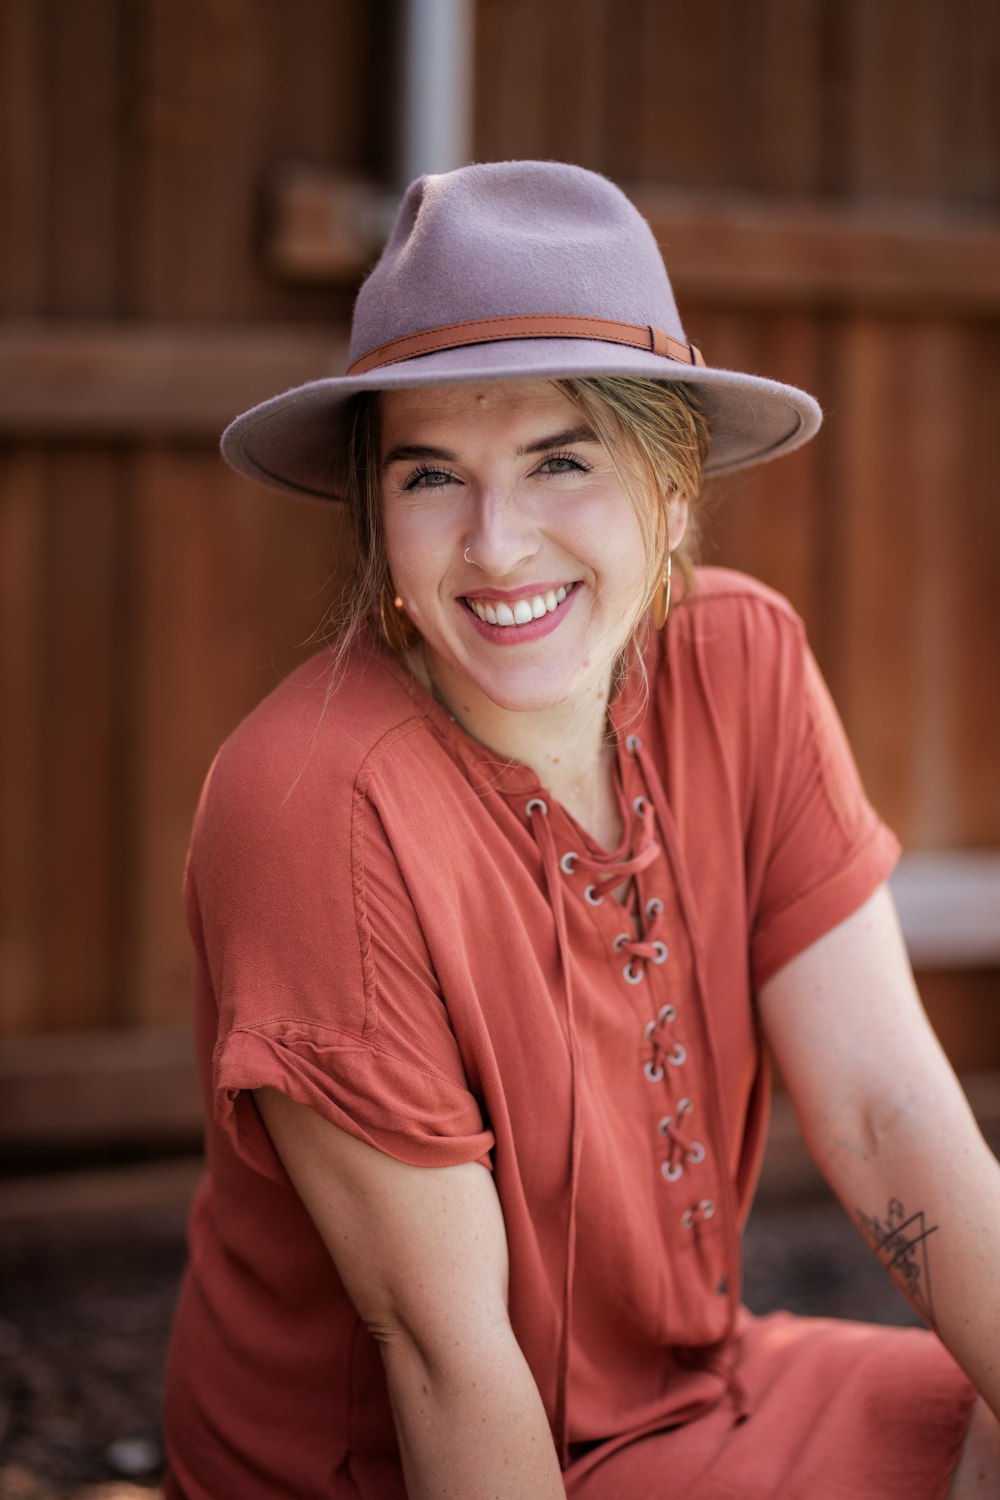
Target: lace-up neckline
[649,831]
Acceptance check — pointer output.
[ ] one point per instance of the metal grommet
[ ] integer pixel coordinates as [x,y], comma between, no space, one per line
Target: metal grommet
[537,804]
[632,976]
[678,1056]
[667,1013]
[671,1173]
[639,806]
[696,1153]
[706,1208]
[665,1124]
[687,1219]
[632,743]
[654,906]
[591,896]
[620,941]
[568,862]
[653,1072]
[685,1107]
[659,953]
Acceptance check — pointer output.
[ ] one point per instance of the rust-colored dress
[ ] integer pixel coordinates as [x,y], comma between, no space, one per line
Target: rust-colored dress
[410,936]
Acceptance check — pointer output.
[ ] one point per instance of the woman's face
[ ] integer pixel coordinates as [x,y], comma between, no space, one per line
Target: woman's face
[511,541]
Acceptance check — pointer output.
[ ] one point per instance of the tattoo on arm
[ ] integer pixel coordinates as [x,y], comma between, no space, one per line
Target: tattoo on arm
[900,1240]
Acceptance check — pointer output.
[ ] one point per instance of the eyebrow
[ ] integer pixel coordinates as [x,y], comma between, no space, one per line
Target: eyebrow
[408,452]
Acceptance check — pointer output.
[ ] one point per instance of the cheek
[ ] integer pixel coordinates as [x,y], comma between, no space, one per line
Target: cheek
[416,565]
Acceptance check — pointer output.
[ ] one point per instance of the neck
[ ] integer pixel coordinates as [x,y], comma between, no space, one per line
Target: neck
[567,745]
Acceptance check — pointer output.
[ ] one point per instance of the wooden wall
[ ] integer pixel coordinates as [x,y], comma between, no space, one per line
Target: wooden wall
[824,175]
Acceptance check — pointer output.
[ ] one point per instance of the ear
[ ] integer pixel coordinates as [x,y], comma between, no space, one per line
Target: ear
[677,519]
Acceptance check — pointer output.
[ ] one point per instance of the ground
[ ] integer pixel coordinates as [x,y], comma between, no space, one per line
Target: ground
[84,1315]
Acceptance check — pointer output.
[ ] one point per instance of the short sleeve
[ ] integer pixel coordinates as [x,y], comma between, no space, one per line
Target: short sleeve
[313,959]
[816,848]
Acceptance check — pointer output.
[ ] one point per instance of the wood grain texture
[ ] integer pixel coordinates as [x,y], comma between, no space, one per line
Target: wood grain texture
[151,380]
[231,590]
[23,132]
[825,178]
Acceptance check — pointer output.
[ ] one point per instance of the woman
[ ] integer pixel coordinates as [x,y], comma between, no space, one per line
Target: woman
[492,906]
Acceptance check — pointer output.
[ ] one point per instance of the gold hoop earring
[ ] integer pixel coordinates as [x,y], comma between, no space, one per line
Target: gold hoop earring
[660,606]
[398,629]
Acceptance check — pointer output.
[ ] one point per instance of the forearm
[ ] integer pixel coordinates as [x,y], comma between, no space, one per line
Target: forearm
[472,1425]
[924,1189]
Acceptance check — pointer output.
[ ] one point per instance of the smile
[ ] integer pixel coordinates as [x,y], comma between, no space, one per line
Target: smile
[521,612]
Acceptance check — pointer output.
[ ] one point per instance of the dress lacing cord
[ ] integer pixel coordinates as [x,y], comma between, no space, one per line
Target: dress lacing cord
[611,874]
[730,1209]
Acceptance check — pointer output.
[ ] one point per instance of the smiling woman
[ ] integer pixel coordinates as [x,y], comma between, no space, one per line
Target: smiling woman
[494,905]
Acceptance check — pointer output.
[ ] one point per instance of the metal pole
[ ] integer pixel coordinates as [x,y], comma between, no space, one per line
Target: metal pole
[435,132]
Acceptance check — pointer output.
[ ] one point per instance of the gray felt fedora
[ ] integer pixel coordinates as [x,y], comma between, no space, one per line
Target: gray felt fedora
[505,270]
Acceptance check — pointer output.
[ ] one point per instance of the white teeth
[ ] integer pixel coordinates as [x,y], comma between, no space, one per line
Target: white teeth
[522,612]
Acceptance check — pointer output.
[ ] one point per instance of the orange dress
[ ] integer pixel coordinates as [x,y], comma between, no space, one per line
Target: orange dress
[409,935]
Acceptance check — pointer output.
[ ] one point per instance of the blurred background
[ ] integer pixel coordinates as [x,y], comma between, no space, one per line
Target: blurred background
[190,192]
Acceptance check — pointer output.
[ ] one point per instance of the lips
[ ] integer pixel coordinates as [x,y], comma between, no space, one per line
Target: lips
[521,612]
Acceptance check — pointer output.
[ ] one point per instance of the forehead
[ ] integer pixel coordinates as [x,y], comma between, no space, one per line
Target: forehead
[508,405]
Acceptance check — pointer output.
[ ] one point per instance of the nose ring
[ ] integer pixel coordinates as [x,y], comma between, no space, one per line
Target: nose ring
[467,557]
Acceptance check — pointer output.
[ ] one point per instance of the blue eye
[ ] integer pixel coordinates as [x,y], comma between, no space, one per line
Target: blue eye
[428,479]
[562,463]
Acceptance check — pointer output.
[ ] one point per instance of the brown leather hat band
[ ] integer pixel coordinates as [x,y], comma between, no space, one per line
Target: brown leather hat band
[490,330]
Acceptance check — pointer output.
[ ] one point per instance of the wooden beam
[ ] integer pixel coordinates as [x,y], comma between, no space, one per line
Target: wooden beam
[98,1089]
[100,380]
[159,1188]
[727,248]
[735,249]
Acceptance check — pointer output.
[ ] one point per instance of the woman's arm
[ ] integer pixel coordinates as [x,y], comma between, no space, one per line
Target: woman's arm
[423,1253]
[888,1124]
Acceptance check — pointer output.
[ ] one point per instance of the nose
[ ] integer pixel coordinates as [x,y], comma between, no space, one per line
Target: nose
[501,534]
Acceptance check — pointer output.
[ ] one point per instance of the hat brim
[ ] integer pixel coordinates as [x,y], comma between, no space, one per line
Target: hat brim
[293,442]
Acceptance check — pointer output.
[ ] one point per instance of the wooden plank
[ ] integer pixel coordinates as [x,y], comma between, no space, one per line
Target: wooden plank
[975,548]
[786,252]
[103,379]
[75,718]
[768,521]
[511,79]
[230,591]
[24,244]
[83,72]
[23,605]
[90,1089]
[905,675]
[724,247]
[58,522]
[157,1188]
[228,92]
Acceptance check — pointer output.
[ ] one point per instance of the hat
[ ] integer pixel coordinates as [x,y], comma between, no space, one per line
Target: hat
[507,270]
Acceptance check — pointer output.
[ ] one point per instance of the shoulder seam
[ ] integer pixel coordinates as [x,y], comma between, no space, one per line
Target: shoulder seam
[359,807]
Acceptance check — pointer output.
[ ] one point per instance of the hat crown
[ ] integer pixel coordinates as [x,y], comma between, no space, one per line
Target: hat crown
[513,239]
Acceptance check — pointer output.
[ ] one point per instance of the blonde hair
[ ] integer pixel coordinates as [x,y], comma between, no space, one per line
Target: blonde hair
[656,434]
